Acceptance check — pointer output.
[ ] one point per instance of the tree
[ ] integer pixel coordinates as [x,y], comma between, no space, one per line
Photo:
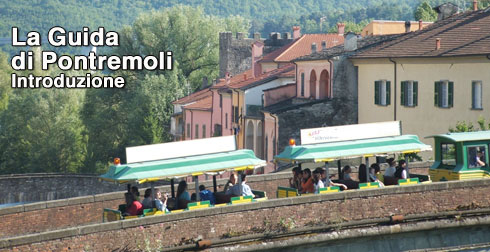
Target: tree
[425,13]
[5,72]
[140,113]
[192,36]
[41,132]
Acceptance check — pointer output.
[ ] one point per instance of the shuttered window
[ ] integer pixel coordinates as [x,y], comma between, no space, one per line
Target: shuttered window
[382,92]
[443,94]
[409,93]
[476,95]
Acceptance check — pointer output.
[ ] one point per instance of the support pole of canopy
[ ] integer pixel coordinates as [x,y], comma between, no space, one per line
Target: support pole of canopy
[328,174]
[406,161]
[152,195]
[198,198]
[172,185]
[367,169]
[240,183]
[339,167]
[214,184]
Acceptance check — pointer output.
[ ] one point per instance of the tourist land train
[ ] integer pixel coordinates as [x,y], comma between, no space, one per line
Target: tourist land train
[455,159]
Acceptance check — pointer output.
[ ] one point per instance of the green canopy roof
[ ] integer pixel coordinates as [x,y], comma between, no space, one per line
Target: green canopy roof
[465,136]
[323,152]
[184,166]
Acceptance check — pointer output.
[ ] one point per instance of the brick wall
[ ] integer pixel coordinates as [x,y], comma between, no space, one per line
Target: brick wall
[56,214]
[213,223]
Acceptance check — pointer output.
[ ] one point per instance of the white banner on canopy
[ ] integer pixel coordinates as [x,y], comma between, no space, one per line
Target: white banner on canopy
[350,132]
[180,149]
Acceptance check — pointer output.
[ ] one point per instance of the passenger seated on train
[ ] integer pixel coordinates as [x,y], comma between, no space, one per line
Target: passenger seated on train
[307,184]
[317,181]
[328,182]
[401,170]
[477,160]
[133,207]
[147,201]
[246,191]
[161,200]
[390,171]
[136,192]
[362,174]
[295,181]
[346,171]
[373,171]
[231,182]
[183,196]
[206,194]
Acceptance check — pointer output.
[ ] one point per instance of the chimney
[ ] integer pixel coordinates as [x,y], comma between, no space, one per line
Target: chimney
[446,10]
[275,35]
[475,5]
[324,45]
[296,32]
[257,50]
[204,82]
[340,29]
[286,35]
[407,26]
[227,77]
[420,24]
[313,47]
[438,43]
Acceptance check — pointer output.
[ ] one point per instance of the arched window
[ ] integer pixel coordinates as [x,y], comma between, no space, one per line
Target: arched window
[302,84]
[259,141]
[324,85]
[249,136]
[313,84]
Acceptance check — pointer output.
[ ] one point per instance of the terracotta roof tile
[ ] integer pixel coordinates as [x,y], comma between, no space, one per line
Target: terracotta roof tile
[302,46]
[463,34]
[205,103]
[193,97]
[267,76]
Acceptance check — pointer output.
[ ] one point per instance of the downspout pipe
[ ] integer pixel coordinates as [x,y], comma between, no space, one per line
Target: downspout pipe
[394,88]
[330,95]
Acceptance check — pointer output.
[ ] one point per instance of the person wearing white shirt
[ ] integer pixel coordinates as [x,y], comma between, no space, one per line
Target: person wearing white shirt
[246,191]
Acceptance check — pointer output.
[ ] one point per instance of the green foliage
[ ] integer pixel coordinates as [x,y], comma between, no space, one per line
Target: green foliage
[425,13]
[5,89]
[41,132]
[463,126]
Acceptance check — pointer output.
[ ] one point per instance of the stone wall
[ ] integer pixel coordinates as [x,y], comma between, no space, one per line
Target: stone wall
[235,52]
[56,214]
[297,212]
[314,114]
[42,187]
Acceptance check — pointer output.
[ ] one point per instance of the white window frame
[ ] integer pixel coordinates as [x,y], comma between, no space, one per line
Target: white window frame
[476,99]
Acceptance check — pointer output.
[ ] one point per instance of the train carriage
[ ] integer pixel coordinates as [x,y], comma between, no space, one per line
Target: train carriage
[462,155]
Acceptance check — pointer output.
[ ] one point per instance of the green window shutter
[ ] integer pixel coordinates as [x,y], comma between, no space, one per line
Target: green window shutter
[388,89]
[377,86]
[415,92]
[403,89]
[437,87]
[450,94]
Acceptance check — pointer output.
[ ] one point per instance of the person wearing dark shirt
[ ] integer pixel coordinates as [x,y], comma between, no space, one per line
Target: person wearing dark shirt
[206,194]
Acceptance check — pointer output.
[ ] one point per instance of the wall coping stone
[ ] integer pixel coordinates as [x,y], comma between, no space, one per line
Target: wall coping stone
[34,206]
[119,195]
[100,227]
